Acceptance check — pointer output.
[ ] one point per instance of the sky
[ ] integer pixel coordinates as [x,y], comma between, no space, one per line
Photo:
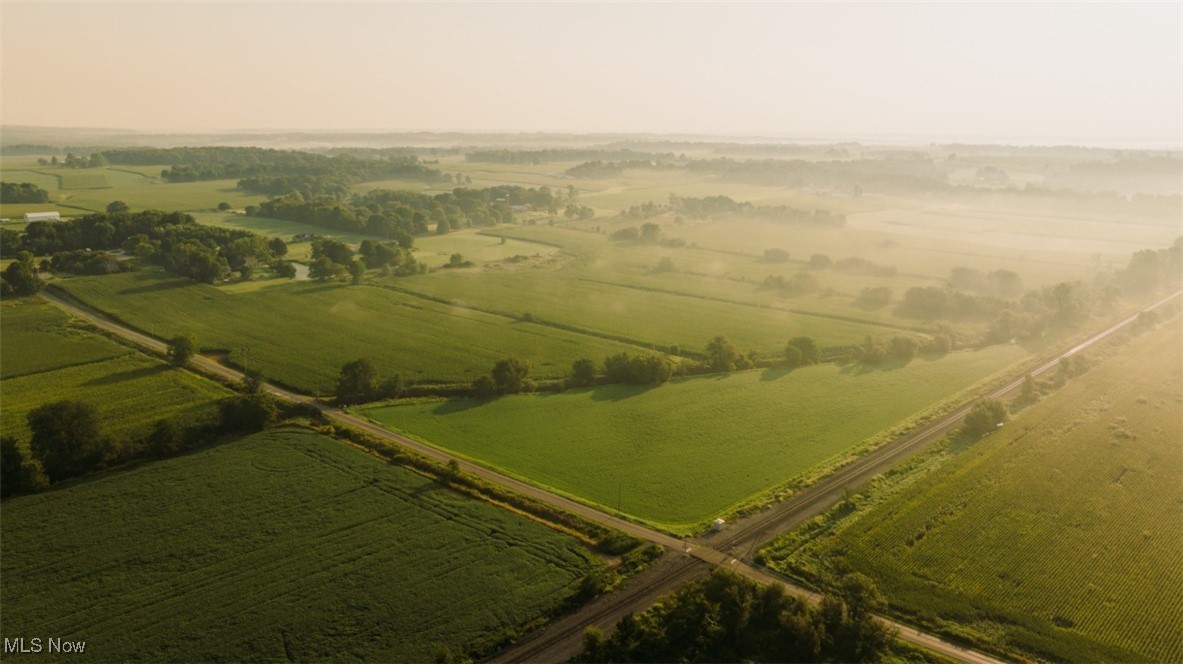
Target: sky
[1064,72]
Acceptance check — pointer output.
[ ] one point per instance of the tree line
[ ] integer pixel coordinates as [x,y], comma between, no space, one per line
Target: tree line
[22,192]
[729,618]
[67,439]
[400,215]
[504,156]
[172,239]
[188,164]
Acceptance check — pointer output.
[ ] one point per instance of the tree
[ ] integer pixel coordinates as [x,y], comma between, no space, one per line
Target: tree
[18,473]
[247,413]
[484,388]
[223,206]
[252,381]
[278,247]
[509,375]
[583,373]
[334,250]
[1029,394]
[181,349]
[666,264]
[323,269]
[650,232]
[12,461]
[391,388]
[810,354]
[722,354]
[356,271]
[776,256]
[792,356]
[67,439]
[358,382]
[165,438]
[820,261]
[20,277]
[984,417]
[117,207]
[284,269]
[903,347]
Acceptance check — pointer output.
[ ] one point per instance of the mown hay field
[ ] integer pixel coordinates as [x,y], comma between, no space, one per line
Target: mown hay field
[1058,536]
[282,546]
[679,454]
[302,333]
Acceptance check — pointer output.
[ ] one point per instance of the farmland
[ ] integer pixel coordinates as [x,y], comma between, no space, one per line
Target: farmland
[1056,537]
[681,453]
[79,191]
[46,358]
[282,545]
[38,337]
[327,325]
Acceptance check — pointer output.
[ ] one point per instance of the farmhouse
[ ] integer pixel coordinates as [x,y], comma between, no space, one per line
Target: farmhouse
[42,216]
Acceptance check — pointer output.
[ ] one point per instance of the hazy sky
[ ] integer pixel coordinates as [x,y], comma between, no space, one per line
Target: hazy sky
[1018,71]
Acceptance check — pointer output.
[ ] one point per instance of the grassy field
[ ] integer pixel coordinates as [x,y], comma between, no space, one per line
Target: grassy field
[130,393]
[1057,537]
[36,336]
[624,310]
[46,357]
[282,546]
[435,250]
[681,453]
[77,191]
[302,333]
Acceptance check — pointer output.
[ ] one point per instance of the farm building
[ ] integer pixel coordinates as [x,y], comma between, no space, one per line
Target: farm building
[42,216]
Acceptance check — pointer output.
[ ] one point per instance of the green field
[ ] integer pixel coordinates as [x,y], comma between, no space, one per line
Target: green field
[681,453]
[36,336]
[46,357]
[624,310]
[1058,537]
[302,333]
[283,546]
[77,191]
[130,393]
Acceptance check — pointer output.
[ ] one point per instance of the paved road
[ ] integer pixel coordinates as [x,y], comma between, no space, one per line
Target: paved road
[750,532]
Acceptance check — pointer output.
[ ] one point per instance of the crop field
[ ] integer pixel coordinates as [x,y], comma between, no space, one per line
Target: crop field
[282,546]
[45,357]
[1057,537]
[129,392]
[624,311]
[76,191]
[681,453]
[36,336]
[326,325]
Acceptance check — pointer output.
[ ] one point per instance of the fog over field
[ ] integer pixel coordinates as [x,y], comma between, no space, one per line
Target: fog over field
[549,332]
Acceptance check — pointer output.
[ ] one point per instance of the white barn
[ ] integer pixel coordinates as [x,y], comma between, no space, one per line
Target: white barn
[42,216]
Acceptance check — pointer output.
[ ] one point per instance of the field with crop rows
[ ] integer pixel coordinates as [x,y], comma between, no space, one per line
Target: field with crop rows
[47,358]
[681,453]
[282,546]
[1057,536]
[623,310]
[37,336]
[302,333]
[129,392]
